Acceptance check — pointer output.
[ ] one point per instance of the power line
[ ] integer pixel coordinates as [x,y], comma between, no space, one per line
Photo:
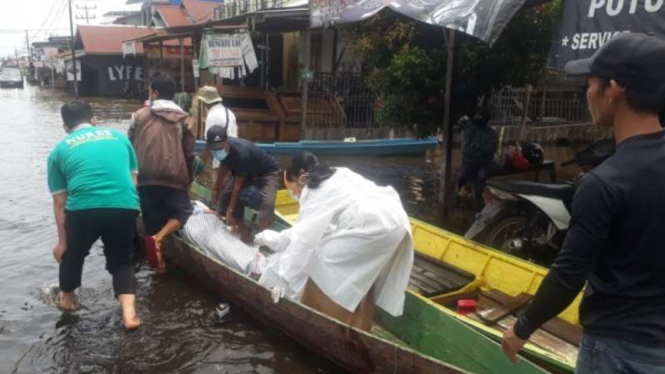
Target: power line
[57,7]
[87,17]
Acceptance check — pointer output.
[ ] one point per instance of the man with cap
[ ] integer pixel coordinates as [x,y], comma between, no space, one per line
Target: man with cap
[255,180]
[209,109]
[615,240]
[218,115]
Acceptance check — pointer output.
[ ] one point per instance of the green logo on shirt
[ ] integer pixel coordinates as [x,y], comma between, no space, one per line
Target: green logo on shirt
[92,136]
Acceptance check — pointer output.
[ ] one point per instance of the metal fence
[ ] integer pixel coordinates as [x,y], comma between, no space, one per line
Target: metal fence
[549,107]
[340,100]
[234,8]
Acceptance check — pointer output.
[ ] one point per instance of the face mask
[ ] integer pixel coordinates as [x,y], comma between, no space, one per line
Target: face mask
[219,155]
[303,179]
[294,196]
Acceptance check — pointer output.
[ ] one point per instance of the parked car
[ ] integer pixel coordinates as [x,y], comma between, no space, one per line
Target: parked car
[11,78]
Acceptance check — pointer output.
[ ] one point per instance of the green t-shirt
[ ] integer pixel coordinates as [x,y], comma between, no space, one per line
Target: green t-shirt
[94,166]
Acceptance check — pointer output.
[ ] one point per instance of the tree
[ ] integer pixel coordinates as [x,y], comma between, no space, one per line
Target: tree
[404,63]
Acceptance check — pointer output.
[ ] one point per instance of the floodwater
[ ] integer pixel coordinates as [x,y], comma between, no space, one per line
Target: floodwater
[178,335]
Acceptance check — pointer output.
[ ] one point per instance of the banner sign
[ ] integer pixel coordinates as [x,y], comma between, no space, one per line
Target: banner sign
[586,25]
[221,51]
[195,68]
[129,48]
[482,19]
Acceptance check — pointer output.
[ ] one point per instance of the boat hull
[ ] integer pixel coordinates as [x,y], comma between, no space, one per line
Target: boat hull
[352,349]
[395,147]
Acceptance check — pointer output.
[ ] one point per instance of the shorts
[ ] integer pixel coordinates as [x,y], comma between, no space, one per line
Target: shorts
[160,204]
[258,194]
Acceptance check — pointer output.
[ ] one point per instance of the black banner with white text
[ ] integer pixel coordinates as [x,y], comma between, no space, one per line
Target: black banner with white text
[586,25]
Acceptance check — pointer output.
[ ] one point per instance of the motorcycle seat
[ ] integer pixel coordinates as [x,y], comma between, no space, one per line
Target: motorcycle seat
[563,192]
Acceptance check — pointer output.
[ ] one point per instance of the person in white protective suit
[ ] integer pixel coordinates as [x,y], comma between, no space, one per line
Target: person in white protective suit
[350,249]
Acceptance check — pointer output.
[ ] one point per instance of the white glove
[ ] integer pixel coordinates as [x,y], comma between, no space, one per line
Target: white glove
[267,238]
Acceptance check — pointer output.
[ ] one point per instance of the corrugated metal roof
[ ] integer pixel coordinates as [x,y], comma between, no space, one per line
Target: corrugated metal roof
[200,11]
[173,16]
[108,39]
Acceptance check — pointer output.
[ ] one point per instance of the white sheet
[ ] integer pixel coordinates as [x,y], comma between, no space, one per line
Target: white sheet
[207,232]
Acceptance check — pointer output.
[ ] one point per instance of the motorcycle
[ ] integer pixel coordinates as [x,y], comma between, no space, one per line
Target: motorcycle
[529,219]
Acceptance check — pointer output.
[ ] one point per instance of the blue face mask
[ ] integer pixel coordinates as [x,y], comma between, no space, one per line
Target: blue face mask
[219,155]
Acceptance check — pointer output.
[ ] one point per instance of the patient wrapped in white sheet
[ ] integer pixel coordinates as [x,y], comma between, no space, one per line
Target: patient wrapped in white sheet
[205,230]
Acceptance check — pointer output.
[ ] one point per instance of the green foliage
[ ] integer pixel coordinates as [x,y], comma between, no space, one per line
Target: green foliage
[404,62]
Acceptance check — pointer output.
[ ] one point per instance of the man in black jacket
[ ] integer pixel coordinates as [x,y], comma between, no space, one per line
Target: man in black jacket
[480,143]
[615,240]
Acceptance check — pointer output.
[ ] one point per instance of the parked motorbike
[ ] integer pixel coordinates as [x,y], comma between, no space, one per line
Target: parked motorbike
[529,219]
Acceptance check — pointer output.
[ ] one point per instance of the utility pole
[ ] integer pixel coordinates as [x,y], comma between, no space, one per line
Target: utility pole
[71,44]
[87,17]
[27,45]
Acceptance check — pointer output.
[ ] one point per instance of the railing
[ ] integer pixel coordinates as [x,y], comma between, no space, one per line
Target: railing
[338,100]
[548,108]
[234,8]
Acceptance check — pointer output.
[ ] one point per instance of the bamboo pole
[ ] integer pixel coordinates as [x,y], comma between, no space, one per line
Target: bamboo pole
[525,112]
[305,83]
[182,65]
[447,155]
[73,44]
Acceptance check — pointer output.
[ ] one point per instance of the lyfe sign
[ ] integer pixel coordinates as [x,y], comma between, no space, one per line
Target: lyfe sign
[125,72]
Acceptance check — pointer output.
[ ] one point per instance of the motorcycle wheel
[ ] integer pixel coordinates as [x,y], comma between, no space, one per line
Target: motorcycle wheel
[503,234]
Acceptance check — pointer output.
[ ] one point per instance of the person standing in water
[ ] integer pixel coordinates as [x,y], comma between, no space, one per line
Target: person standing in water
[92,177]
[164,145]
[480,143]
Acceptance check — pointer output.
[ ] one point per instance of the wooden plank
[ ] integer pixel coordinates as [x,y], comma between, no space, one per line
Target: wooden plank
[566,331]
[443,270]
[432,283]
[492,316]
[546,341]
[442,267]
[558,327]
[422,288]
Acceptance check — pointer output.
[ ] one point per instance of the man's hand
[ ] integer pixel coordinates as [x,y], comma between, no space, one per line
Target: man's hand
[511,344]
[231,221]
[58,251]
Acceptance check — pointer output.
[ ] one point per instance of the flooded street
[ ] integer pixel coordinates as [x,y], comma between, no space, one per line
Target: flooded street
[178,336]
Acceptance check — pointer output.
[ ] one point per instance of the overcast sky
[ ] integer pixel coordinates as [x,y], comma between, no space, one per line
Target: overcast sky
[45,17]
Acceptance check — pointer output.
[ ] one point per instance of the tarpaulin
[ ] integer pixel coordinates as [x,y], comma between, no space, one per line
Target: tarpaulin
[482,19]
[586,25]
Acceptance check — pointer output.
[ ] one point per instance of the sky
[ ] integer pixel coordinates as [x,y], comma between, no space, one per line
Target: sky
[43,18]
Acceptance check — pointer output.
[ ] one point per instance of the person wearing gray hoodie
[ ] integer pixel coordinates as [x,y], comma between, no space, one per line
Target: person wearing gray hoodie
[164,143]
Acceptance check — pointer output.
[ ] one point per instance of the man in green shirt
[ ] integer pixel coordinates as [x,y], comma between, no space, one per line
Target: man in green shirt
[92,177]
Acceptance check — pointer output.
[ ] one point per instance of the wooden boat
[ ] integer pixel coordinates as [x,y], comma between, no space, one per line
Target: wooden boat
[382,147]
[441,342]
[449,268]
